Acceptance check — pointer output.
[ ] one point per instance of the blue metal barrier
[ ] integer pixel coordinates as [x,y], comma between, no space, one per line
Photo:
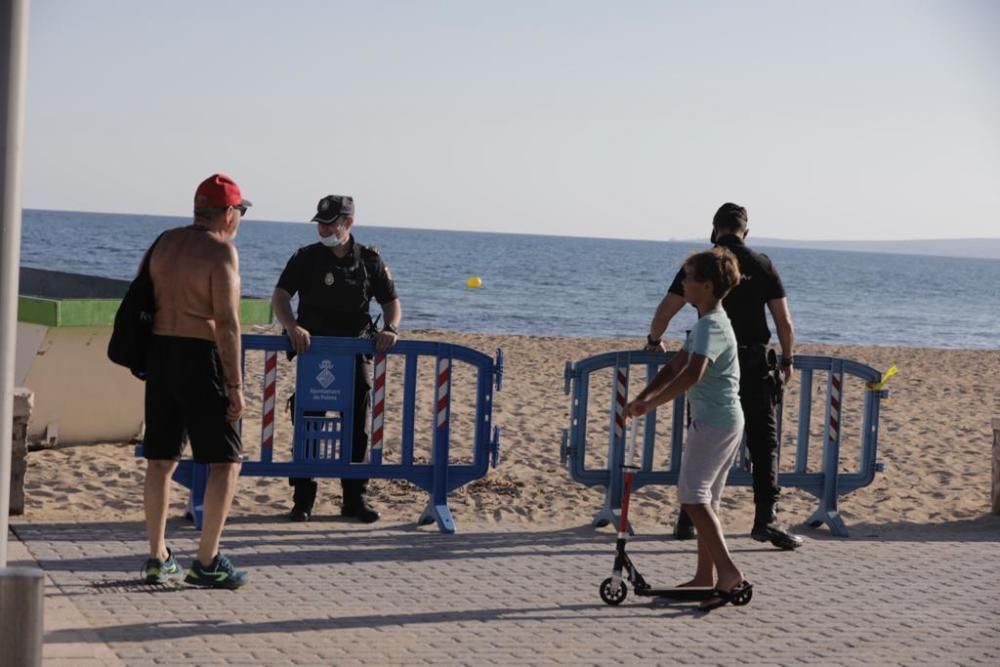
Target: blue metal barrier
[827,485]
[322,444]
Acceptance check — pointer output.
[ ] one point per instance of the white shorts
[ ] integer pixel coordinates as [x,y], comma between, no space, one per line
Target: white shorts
[705,462]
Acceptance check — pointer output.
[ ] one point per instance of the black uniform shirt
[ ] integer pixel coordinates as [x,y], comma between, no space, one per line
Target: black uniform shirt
[759,283]
[334,292]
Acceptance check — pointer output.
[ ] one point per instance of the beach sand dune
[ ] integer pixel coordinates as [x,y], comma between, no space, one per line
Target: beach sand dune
[935,439]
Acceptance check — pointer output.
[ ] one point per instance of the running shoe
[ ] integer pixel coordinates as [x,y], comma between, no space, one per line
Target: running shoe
[157,571]
[219,574]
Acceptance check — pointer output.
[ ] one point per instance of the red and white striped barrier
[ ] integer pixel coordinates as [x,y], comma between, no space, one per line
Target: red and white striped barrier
[443,387]
[835,383]
[267,408]
[621,379]
[378,407]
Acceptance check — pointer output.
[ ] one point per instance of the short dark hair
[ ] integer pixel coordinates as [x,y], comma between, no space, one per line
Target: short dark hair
[209,213]
[731,217]
[718,266]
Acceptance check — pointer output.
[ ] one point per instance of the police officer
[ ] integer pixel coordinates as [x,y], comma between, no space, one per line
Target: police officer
[336,279]
[760,286]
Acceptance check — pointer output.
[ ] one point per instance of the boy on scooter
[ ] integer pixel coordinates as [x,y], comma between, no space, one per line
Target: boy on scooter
[707,368]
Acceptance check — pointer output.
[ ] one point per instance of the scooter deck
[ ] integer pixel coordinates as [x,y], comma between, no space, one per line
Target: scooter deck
[685,593]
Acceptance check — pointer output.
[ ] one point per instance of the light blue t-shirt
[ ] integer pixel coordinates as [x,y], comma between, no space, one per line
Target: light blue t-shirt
[715,399]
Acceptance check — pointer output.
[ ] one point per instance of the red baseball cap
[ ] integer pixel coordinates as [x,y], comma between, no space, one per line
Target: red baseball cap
[219,191]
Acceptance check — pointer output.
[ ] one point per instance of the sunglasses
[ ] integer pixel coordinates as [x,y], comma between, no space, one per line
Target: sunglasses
[242,209]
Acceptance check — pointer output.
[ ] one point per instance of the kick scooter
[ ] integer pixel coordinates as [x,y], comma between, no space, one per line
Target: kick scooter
[613,589]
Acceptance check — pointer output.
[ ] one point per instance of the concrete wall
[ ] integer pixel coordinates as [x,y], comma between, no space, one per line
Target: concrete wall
[60,285]
[80,396]
[23,401]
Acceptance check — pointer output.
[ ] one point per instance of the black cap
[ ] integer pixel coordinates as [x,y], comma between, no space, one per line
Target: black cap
[332,207]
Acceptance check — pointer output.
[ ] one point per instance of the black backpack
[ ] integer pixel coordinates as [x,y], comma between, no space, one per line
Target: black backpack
[134,322]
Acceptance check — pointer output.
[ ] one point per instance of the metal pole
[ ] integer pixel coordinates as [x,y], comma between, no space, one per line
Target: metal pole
[22,603]
[13,72]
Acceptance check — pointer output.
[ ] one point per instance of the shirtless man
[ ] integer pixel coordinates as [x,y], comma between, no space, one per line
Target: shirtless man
[193,382]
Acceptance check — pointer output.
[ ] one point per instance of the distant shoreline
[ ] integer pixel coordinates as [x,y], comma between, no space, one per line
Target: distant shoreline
[981,248]
[674,342]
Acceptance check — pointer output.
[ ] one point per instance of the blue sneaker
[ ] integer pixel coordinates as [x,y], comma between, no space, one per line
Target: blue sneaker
[157,571]
[220,574]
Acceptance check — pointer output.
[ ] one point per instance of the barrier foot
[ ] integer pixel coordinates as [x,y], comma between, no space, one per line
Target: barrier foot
[831,519]
[194,477]
[437,513]
[608,516]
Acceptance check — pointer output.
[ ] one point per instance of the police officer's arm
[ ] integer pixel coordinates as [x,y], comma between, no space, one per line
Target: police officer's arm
[289,282]
[777,303]
[225,291]
[384,291]
[281,302]
[669,305]
[785,330]
[392,313]
[692,371]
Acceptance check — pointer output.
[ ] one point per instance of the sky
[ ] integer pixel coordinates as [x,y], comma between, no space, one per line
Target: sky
[871,119]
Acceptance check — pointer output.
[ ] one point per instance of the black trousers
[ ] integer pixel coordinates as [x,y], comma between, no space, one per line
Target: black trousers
[758,397]
[354,490]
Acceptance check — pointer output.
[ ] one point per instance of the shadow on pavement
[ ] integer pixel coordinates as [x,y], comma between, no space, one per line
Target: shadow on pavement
[325,545]
[984,528]
[253,544]
[598,612]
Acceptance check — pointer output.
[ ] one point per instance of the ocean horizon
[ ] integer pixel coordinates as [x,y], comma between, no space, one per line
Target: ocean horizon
[972,248]
[537,284]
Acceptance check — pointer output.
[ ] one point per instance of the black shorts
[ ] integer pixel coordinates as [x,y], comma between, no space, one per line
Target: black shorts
[186,394]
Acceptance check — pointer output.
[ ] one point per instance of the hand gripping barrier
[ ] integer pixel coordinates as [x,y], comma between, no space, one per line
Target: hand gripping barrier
[826,484]
[324,420]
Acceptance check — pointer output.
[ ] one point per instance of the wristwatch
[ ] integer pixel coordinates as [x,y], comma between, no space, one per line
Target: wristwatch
[786,361]
[652,341]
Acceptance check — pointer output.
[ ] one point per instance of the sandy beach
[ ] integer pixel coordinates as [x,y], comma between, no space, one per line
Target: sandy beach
[935,439]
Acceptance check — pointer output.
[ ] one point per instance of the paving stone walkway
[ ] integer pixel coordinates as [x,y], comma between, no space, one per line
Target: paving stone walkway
[336,593]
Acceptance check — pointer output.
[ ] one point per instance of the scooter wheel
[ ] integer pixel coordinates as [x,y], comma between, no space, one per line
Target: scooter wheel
[613,596]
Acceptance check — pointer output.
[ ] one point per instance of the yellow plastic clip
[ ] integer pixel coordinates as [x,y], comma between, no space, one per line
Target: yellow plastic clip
[880,385]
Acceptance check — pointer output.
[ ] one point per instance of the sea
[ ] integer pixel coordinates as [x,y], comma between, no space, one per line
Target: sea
[569,286]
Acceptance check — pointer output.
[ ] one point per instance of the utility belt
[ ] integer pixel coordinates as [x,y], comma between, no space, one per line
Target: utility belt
[759,369]
[753,360]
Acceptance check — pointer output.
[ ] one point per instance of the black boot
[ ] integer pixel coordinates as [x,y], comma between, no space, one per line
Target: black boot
[303,499]
[767,529]
[360,510]
[684,529]
[355,501]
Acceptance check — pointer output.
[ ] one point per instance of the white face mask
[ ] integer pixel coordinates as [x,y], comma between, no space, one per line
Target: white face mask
[333,241]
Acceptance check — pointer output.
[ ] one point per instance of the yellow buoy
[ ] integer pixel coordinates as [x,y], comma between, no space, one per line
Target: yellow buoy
[474,282]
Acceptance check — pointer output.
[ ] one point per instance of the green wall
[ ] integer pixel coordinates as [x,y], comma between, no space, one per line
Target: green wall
[101,312]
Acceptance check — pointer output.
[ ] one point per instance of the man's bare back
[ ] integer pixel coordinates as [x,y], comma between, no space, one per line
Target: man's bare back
[196,283]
